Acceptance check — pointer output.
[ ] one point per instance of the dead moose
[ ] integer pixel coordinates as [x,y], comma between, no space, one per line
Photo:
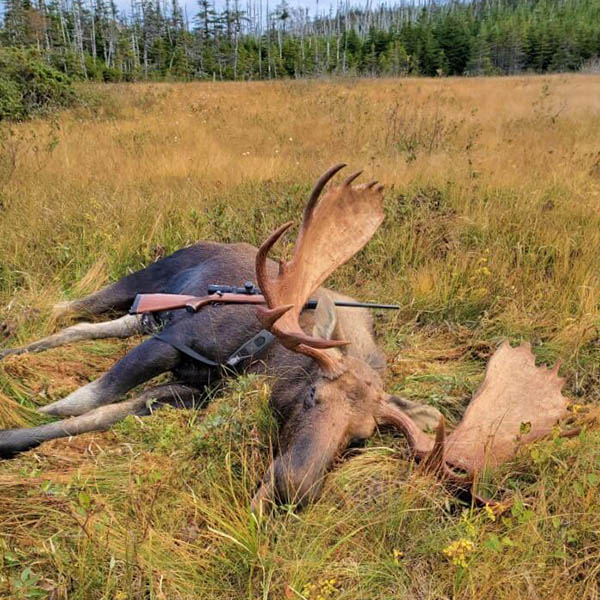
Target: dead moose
[328,386]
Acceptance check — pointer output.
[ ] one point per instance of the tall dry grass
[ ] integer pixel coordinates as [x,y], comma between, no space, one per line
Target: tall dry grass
[492,231]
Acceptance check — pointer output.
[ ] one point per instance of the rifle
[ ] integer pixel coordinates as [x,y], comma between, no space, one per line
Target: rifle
[222,294]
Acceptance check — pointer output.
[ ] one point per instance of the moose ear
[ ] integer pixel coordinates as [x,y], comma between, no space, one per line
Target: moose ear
[326,320]
[426,417]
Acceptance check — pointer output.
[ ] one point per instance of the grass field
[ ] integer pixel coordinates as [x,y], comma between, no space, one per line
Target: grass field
[492,231]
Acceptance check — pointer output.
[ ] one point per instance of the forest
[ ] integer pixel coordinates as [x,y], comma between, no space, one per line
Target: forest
[234,40]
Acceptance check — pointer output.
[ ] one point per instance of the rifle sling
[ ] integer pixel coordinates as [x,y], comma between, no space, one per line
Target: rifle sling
[184,349]
[250,349]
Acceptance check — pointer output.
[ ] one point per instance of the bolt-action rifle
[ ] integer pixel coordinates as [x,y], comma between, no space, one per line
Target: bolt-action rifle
[222,294]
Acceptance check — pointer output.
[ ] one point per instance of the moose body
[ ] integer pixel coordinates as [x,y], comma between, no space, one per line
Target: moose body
[328,386]
[308,430]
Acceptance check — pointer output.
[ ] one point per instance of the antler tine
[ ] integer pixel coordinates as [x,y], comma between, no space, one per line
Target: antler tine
[352,177]
[434,462]
[318,188]
[262,277]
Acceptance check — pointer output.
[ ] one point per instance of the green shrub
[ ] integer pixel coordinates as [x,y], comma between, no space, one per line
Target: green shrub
[29,86]
[11,99]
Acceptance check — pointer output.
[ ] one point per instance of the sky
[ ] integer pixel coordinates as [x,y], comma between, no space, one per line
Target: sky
[322,6]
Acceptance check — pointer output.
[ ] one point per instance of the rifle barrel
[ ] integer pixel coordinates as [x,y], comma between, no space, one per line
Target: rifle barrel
[347,304]
[250,289]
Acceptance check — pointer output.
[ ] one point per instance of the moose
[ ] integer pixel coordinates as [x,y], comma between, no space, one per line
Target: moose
[328,386]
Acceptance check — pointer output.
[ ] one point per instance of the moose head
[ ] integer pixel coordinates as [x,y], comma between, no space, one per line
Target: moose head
[347,400]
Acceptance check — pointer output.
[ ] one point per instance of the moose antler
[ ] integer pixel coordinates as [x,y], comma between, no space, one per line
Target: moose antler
[516,404]
[334,228]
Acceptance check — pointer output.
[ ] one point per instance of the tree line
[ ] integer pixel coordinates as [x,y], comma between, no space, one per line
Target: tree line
[159,39]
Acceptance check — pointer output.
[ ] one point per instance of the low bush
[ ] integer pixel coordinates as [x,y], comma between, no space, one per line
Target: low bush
[29,86]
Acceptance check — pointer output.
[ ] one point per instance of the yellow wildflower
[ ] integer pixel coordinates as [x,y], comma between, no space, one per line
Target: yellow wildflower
[398,555]
[459,551]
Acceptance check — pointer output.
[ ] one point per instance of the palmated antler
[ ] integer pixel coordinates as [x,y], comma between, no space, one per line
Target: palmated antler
[334,228]
[516,404]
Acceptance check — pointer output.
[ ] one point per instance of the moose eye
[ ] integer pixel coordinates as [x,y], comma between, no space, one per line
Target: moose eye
[309,402]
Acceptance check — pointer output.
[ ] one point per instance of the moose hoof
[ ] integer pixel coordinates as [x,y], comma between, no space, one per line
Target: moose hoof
[64,309]
[13,441]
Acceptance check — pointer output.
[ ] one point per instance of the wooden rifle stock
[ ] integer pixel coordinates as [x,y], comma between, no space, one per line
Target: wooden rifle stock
[147,303]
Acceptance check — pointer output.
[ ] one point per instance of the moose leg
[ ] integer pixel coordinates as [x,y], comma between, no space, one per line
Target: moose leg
[116,298]
[149,359]
[119,328]
[119,296]
[99,419]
